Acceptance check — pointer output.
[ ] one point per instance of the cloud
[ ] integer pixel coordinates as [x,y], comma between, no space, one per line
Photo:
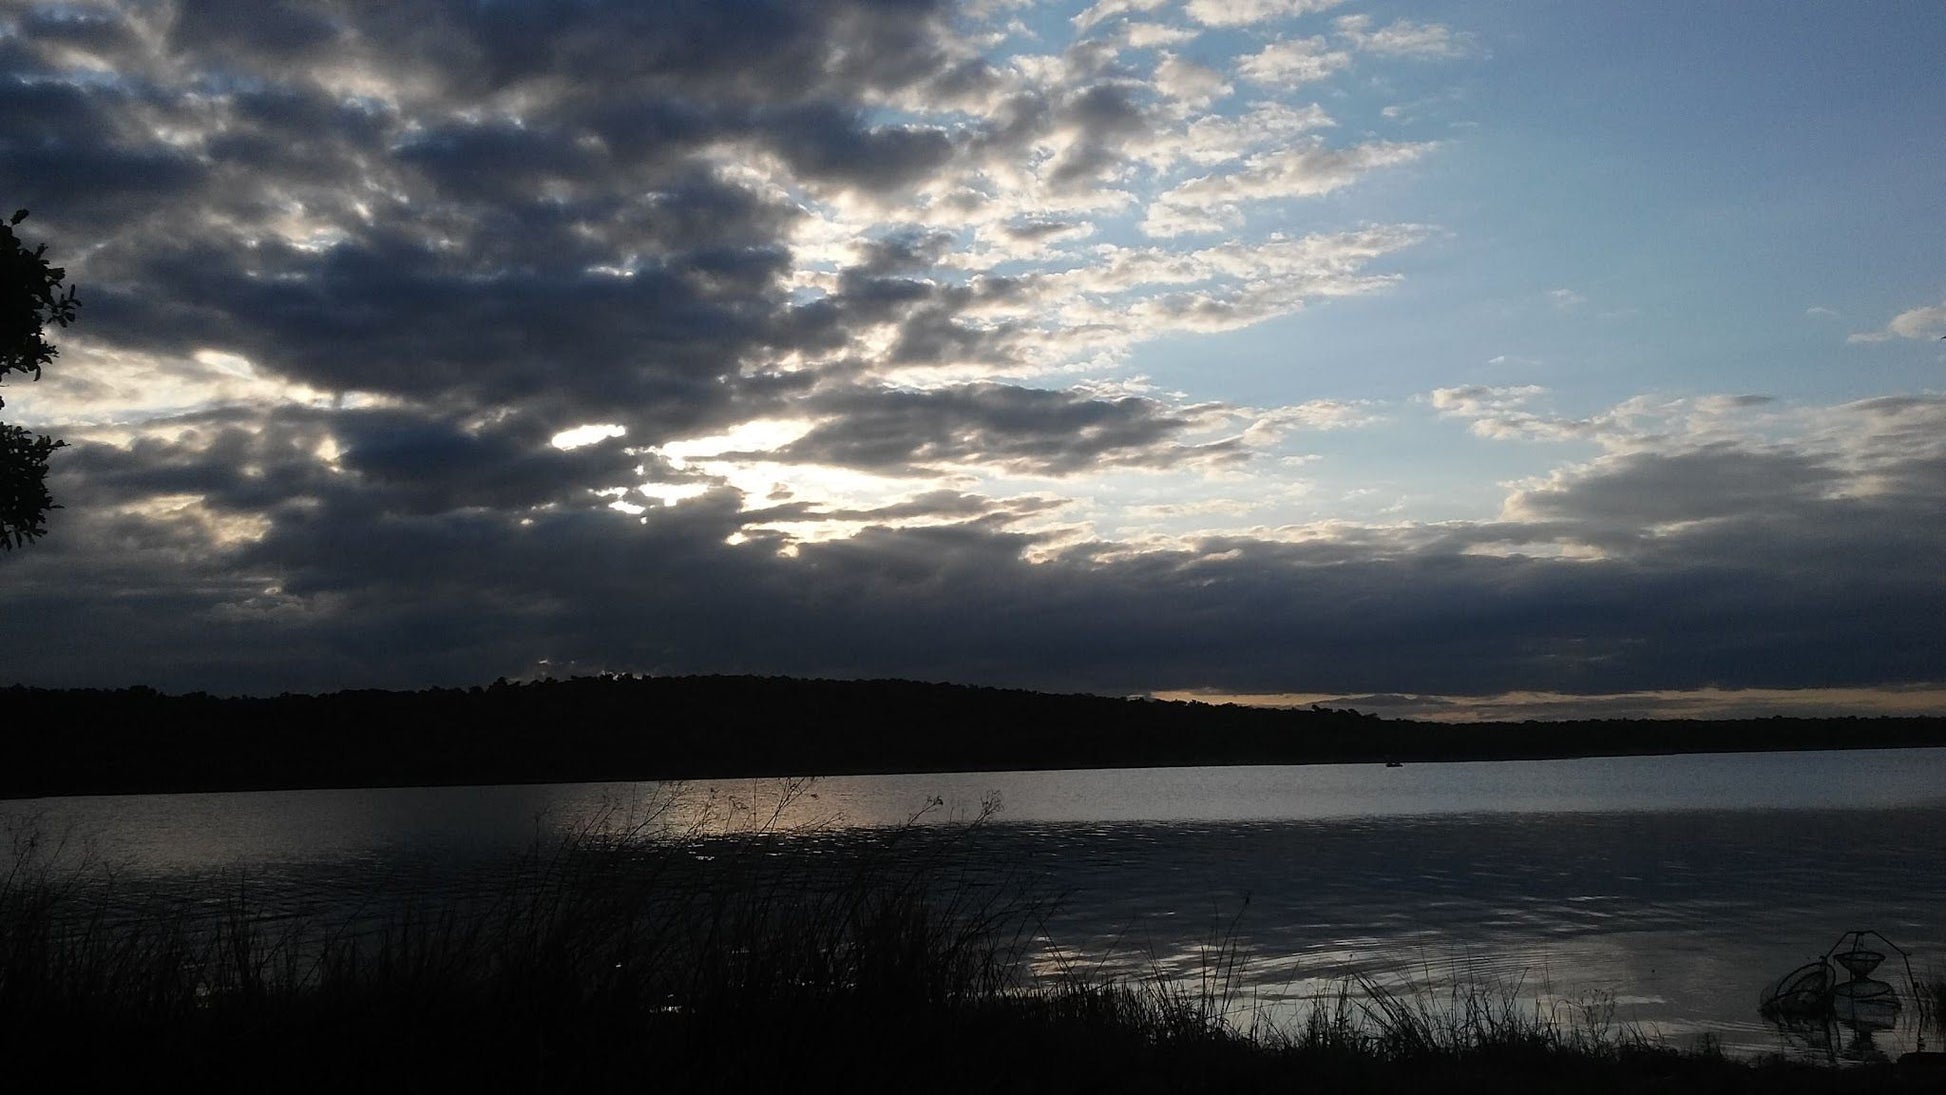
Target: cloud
[1639,491]
[365,464]
[1312,415]
[1021,431]
[1211,202]
[1151,35]
[1288,62]
[1214,140]
[1509,413]
[1243,13]
[842,307]
[1102,301]
[1104,10]
[1100,121]
[1194,85]
[1402,37]
[1754,564]
[1927,322]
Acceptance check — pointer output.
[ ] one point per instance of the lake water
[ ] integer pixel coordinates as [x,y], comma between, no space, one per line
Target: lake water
[1673,888]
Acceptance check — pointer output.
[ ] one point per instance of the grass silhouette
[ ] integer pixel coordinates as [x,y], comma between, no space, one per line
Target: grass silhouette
[640,955]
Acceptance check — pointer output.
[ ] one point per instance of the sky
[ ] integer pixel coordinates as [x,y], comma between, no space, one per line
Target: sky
[1447,360]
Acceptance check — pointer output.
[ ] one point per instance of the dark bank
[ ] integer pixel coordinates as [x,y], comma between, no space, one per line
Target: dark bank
[139,740]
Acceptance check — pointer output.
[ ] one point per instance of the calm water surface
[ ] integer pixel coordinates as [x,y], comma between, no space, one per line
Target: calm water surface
[1673,888]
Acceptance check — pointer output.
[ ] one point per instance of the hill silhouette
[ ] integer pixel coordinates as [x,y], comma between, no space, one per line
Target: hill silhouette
[632,728]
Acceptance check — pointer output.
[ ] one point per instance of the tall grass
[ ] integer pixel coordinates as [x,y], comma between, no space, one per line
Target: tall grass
[1932,1000]
[650,955]
[615,946]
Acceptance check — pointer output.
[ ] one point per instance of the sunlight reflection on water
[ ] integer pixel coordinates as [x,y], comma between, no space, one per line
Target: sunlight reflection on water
[1673,887]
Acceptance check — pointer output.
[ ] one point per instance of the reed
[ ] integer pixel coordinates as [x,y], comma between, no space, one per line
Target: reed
[1932,1000]
[645,956]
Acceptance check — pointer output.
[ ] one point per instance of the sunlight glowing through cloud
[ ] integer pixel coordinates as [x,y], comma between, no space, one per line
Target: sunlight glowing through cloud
[756,436]
[224,362]
[587,435]
[668,494]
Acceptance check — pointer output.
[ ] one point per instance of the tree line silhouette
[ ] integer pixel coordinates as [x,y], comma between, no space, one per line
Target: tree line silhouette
[633,728]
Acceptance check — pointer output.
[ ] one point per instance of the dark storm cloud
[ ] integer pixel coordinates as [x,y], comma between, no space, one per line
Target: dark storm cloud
[1105,118]
[931,507]
[91,28]
[301,135]
[1641,493]
[572,254]
[431,467]
[934,335]
[900,252]
[388,463]
[1022,430]
[824,143]
[881,298]
[498,161]
[820,142]
[232,460]
[397,315]
[74,149]
[1725,480]
[718,50]
[723,49]
[359,592]
[271,29]
[389,570]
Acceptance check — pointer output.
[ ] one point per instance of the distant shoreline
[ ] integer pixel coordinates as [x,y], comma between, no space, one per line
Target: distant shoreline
[621,729]
[9,796]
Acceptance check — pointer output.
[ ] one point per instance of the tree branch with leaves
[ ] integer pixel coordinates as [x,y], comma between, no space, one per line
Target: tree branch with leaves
[31,298]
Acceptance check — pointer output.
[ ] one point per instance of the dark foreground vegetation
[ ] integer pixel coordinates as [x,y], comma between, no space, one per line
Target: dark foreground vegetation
[635,960]
[627,728]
